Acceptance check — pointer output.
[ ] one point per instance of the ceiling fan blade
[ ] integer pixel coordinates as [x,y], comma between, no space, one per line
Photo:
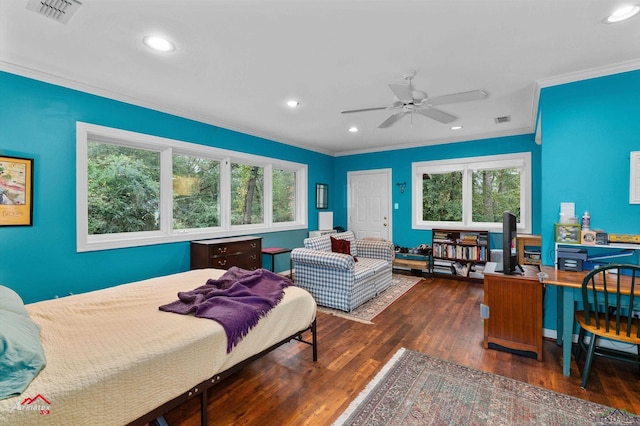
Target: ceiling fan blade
[474,95]
[349,111]
[392,119]
[437,115]
[402,91]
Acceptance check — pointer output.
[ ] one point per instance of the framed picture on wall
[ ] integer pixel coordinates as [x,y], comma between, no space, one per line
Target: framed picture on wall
[322,196]
[16,191]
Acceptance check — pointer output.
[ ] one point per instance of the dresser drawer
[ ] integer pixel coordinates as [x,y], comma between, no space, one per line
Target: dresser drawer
[241,260]
[233,248]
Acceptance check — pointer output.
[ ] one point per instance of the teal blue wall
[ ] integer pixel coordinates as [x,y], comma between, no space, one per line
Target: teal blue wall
[400,162]
[37,120]
[588,130]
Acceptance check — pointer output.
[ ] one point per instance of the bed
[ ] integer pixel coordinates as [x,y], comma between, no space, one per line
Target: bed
[114,358]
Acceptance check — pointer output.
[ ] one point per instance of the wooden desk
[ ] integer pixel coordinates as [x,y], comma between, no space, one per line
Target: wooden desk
[569,291]
[515,310]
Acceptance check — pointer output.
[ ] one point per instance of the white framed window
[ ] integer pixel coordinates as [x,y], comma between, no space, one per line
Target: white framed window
[472,192]
[134,189]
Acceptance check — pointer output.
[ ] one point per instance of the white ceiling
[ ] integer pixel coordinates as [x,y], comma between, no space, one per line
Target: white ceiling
[237,62]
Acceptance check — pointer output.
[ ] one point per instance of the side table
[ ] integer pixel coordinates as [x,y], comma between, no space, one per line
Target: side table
[273,252]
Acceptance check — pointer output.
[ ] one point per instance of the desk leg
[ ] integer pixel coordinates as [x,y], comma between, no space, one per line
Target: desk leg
[567,328]
[559,313]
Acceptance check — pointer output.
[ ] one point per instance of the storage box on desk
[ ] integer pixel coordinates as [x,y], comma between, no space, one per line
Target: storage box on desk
[571,259]
[568,233]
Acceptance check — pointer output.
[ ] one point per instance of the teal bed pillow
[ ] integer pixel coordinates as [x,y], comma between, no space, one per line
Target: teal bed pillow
[10,301]
[21,353]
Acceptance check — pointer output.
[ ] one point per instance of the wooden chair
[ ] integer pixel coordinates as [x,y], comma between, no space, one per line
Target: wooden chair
[611,298]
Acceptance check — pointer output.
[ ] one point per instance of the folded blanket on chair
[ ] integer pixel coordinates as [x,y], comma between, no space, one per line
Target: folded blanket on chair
[237,300]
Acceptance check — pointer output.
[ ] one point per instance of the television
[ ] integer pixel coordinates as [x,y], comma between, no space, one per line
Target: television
[509,254]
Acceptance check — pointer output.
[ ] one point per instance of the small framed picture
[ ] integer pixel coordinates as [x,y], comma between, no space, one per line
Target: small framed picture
[589,237]
[16,191]
[322,196]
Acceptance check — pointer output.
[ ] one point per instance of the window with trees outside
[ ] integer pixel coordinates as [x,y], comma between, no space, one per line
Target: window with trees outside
[472,192]
[135,189]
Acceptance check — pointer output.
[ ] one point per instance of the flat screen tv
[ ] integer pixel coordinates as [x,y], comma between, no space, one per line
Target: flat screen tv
[509,255]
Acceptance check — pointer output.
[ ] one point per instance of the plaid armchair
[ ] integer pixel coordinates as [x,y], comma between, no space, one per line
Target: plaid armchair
[336,280]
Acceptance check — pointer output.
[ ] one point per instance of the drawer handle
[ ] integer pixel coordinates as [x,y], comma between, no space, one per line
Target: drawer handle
[222,249]
[253,257]
[222,262]
[253,245]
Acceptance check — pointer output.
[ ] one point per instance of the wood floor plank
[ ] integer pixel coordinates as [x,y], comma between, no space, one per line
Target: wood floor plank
[438,317]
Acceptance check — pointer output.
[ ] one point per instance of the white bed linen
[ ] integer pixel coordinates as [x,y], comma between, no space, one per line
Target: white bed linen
[112,356]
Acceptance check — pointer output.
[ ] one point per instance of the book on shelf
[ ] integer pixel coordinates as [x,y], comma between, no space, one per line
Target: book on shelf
[443,266]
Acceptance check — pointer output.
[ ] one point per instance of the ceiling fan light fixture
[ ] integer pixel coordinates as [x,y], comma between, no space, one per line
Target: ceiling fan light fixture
[353,129]
[622,13]
[292,103]
[159,44]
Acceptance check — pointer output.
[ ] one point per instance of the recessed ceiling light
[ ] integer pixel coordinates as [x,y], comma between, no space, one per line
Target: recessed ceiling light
[353,129]
[293,103]
[456,127]
[622,13]
[158,43]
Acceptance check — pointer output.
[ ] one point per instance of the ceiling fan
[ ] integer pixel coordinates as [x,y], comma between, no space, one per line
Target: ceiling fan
[410,101]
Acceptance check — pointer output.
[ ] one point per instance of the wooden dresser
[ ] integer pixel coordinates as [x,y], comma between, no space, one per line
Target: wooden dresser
[223,253]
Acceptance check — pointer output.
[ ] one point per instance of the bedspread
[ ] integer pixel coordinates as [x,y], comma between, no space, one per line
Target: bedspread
[112,356]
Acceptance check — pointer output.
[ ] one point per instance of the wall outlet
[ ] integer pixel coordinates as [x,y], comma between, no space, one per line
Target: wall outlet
[484,311]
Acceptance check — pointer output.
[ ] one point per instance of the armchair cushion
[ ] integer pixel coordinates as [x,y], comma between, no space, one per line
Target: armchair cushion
[351,237]
[341,246]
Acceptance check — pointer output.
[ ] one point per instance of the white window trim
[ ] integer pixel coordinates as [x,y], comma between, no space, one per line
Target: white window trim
[167,147]
[521,160]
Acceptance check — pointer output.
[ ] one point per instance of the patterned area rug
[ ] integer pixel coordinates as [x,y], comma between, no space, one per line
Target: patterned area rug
[417,389]
[364,313]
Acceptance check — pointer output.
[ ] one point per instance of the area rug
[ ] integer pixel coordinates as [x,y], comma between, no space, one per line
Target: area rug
[364,313]
[417,389]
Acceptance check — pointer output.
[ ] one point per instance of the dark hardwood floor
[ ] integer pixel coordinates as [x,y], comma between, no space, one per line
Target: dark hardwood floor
[438,317]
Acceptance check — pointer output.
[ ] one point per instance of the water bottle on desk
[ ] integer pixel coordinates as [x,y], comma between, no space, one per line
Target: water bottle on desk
[586,221]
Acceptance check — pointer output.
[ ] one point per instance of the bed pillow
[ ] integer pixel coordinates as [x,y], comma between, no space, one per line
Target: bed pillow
[11,302]
[21,353]
[341,246]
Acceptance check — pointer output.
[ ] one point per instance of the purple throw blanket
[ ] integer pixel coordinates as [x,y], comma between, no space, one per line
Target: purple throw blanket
[237,300]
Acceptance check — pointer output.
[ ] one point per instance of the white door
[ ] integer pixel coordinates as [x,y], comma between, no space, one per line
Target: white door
[369,201]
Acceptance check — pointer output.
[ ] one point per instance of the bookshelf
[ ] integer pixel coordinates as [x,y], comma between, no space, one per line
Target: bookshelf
[460,253]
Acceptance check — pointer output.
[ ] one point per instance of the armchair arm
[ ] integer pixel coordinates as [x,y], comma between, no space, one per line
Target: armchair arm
[322,258]
[375,249]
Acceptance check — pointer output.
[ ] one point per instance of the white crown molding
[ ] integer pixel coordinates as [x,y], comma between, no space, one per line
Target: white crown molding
[117,96]
[533,128]
[571,78]
[589,73]
[474,138]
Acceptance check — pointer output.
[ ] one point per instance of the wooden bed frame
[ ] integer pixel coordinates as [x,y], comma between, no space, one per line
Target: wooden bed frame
[201,389]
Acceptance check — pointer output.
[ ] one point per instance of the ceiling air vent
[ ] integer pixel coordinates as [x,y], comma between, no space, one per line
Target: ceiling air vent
[503,119]
[58,10]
